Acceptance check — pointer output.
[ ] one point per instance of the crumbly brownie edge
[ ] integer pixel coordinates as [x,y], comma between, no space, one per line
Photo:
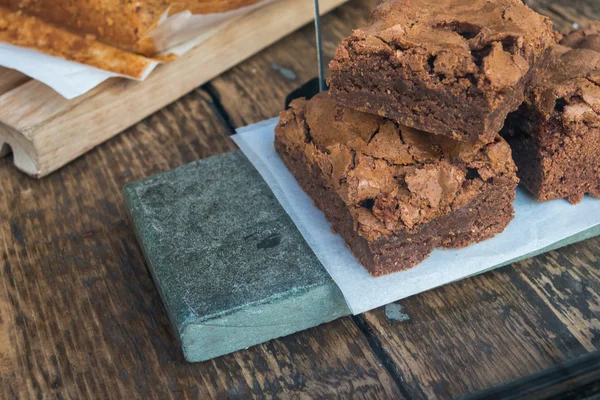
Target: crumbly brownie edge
[569,170]
[481,219]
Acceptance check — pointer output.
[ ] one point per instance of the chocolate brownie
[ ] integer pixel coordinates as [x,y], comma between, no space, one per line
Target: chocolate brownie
[449,67]
[555,134]
[394,193]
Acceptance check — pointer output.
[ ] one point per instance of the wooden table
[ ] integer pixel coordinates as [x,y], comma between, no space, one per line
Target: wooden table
[80,316]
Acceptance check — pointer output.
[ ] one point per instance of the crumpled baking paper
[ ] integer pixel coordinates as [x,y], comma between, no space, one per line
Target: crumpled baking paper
[71,79]
[535,227]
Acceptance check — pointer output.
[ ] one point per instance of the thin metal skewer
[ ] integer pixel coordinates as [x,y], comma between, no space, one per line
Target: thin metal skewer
[319,47]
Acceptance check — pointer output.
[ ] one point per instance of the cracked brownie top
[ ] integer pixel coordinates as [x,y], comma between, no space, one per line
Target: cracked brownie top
[570,87]
[391,177]
[488,43]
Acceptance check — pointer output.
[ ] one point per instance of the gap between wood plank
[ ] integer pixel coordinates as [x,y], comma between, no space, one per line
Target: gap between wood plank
[380,353]
[215,96]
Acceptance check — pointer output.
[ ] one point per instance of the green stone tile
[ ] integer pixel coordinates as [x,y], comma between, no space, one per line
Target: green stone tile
[231,267]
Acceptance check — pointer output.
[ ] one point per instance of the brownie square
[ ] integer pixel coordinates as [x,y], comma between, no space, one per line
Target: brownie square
[394,193]
[450,67]
[555,134]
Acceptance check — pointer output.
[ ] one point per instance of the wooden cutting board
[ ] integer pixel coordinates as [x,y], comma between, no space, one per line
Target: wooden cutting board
[46,131]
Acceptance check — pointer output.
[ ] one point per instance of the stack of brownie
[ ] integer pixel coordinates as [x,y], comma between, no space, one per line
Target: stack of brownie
[404,154]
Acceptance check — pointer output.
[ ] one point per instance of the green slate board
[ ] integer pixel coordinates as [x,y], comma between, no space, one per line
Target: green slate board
[232,269]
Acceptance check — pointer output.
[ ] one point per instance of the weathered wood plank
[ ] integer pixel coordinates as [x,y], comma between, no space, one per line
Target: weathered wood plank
[10,79]
[568,282]
[575,379]
[483,331]
[80,316]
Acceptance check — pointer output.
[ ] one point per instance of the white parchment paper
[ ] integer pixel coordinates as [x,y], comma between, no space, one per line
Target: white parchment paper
[71,79]
[536,226]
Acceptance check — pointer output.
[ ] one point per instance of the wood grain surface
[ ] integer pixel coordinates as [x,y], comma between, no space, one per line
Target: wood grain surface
[10,79]
[80,316]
